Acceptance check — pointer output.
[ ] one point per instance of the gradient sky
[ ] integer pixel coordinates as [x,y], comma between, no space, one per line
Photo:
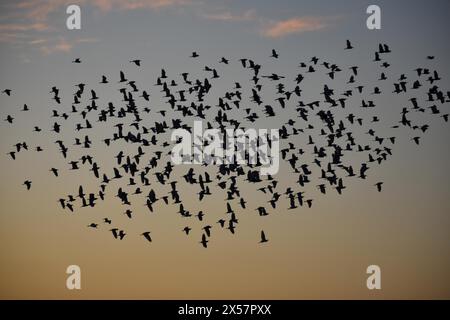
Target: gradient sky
[322,252]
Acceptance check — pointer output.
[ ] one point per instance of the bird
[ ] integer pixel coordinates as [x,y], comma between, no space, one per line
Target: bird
[349,45]
[204,242]
[146,235]
[27,183]
[207,230]
[115,232]
[274,54]
[137,62]
[128,213]
[318,136]
[122,77]
[378,185]
[263,237]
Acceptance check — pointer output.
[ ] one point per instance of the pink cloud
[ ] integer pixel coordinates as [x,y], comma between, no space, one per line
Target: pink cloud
[228,16]
[12,27]
[39,10]
[38,41]
[86,40]
[12,37]
[31,20]
[107,5]
[294,25]
[62,45]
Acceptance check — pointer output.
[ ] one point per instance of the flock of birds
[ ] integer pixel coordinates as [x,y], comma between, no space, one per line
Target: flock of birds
[320,161]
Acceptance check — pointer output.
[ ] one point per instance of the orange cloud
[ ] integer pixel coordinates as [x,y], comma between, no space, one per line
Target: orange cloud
[294,25]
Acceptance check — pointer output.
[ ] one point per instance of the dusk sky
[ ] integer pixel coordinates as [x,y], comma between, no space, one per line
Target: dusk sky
[321,252]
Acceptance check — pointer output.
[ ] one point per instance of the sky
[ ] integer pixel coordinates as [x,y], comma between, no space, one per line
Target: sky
[316,253]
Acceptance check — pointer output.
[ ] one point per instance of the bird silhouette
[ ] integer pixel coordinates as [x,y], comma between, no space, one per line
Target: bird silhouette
[137,62]
[274,54]
[378,185]
[349,45]
[27,183]
[263,237]
[204,242]
[327,141]
[146,235]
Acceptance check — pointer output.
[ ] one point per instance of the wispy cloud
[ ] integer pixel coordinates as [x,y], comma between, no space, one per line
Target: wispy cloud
[29,22]
[62,45]
[59,44]
[38,41]
[138,4]
[12,27]
[295,25]
[228,16]
[13,37]
[270,28]
[86,40]
[39,10]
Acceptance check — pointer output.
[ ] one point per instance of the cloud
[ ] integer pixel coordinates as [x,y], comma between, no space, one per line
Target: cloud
[59,44]
[228,16]
[270,28]
[62,45]
[28,22]
[108,5]
[13,27]
[31,23]
[39,10]
[86,40]
[294,25]
[12,38]
[149,4]
[38,41]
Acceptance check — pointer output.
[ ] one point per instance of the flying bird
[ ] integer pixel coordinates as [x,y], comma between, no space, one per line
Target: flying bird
[27,183]
[146,235]
[263,237]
